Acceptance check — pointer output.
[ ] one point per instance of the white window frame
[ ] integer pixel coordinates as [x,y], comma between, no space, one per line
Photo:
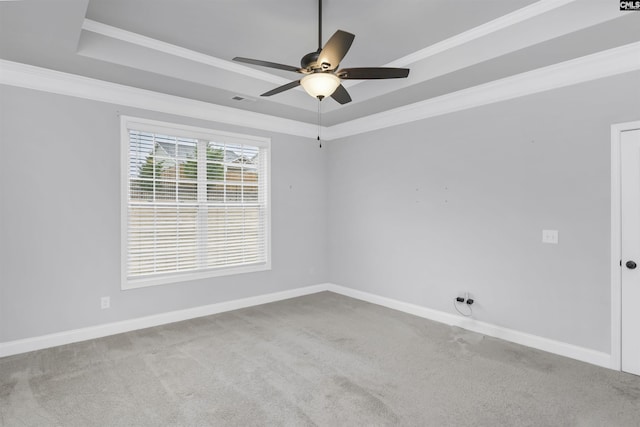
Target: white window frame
[155,126]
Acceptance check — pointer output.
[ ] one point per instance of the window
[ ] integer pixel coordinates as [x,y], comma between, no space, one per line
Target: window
[194,203]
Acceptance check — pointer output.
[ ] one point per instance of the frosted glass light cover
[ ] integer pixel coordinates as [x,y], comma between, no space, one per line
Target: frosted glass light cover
[320,84]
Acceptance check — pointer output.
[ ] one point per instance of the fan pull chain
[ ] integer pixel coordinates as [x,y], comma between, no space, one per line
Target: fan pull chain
[319,141]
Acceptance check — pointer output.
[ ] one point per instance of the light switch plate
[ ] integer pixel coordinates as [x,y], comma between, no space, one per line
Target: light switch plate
[550,236]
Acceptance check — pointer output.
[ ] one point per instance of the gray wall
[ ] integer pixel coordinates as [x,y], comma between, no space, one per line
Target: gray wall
[424,211]
[418,212]
[60,219]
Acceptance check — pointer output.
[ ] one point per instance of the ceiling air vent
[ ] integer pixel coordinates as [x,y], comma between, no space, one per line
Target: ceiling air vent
[242,98]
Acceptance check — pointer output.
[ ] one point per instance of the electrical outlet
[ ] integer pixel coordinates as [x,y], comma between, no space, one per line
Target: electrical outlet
[550,236]
[105,302]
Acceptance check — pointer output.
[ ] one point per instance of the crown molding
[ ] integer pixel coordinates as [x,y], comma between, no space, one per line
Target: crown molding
[531,11]
[181,52]
[591,67]
[46,80]
[517,16]
[538,8]
[599,65]
[508,20]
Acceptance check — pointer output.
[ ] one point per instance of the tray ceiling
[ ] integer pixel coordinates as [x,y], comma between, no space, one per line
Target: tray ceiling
[184,48]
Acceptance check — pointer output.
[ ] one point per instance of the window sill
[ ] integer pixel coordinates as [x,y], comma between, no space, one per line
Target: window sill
[170,278]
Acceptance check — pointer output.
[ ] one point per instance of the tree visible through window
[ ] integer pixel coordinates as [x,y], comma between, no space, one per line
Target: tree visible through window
[195,203]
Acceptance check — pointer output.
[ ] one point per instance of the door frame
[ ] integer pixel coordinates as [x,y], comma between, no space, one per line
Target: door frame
[616,241]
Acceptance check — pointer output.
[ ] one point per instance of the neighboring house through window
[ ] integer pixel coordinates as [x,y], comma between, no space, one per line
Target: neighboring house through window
[194,203]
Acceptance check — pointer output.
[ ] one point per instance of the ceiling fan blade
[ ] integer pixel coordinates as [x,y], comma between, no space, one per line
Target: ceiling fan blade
[267,64]
[366,73]
[282,88]
[341,95]
[334,50]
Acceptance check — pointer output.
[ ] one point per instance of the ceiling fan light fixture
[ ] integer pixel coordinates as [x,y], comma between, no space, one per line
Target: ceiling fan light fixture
[320,68]
[320,85]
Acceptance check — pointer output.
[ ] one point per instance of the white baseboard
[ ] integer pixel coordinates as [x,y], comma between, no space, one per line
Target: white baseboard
[67,337]
[92,332]
[529,340]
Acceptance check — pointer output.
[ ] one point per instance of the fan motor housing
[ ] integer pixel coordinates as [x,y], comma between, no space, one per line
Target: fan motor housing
[309,60]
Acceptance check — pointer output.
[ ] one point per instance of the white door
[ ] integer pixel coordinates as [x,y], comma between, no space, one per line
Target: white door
[630,239]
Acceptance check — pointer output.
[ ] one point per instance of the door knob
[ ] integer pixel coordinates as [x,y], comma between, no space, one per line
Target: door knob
[631,265]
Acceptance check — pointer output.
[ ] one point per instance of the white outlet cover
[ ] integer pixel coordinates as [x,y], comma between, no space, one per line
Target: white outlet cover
[105,302]
[550,236]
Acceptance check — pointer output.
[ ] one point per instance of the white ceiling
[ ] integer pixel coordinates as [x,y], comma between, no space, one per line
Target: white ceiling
[185,47]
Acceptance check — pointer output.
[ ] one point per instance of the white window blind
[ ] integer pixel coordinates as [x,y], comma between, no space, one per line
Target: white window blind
[196,203]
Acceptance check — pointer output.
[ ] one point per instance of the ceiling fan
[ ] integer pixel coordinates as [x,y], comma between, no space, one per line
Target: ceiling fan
[319,68]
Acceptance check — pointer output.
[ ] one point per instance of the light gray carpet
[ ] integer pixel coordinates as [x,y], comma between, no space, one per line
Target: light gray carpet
[322,359]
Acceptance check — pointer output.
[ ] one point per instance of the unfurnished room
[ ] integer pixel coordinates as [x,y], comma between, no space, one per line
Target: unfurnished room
[319,213]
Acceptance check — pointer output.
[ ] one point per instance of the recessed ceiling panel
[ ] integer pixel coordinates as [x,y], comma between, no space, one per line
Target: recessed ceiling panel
[448,45]
[284,30]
